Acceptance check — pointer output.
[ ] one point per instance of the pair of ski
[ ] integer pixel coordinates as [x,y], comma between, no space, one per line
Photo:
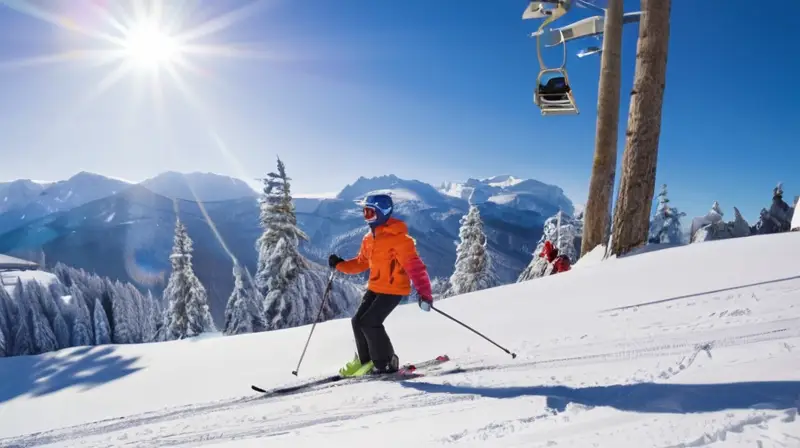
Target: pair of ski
[405,372]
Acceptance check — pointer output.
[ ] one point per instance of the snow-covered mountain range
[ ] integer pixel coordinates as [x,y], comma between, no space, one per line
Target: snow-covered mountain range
[204,187]
[23,201]
[528,194]
[125,231]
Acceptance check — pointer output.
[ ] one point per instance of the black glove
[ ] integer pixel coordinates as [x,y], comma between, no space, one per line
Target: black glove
[333,260]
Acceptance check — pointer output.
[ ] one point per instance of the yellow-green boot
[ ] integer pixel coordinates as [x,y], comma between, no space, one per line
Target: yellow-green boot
[355,368]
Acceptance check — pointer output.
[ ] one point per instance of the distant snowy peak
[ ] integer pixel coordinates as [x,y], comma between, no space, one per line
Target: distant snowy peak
[18,193]
[503,181]
[202,187]
[401,190]
[79,189]
[527,194]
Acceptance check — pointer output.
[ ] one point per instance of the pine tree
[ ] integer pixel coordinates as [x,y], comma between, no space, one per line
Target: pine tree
[43,338]
[102,329]
[665,227]
[473,267]
[5,323]
[5,319]
[779,216]
[282,270]
[243,312]
[21,340]
[82,321]
[155,321]
[188,313]
[3,345]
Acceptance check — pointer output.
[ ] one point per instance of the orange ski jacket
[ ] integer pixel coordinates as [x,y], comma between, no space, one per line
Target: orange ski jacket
[391,256]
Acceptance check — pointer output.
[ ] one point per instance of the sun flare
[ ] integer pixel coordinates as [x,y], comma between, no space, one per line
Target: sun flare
[147,46]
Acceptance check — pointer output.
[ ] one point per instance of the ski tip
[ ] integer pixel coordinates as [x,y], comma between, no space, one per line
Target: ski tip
[258,389]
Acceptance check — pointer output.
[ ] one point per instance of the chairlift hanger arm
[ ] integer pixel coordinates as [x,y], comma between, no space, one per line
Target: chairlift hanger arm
[590,5]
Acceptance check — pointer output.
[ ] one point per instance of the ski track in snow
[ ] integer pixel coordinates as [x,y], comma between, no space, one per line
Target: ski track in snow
[633,375]
[251,416]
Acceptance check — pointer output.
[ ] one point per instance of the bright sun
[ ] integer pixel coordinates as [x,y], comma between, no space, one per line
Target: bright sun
[147,46]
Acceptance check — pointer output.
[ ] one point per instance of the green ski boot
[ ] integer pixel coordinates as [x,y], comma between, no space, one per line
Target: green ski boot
[354,368]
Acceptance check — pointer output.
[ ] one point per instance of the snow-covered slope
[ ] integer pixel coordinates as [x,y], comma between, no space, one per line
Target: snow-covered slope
[201,187]
[796,217]
[528,194]
[709,357]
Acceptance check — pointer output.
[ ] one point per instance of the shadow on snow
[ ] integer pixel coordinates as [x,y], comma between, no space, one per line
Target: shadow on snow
[51,372]
[645,397]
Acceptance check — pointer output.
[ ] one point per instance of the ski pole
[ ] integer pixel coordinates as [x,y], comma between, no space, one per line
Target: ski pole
[513,355]
[319,314]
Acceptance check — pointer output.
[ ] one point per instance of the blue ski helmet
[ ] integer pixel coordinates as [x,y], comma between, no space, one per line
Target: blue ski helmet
[377,208]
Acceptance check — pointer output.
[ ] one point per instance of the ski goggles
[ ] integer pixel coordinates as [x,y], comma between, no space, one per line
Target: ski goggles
[370,214]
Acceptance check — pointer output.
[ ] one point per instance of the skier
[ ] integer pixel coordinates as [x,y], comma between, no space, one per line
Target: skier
[392,259]
[550,253]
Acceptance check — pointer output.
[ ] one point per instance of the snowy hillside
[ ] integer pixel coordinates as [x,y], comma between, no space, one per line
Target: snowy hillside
[605,358]
[528,194]
[200,187]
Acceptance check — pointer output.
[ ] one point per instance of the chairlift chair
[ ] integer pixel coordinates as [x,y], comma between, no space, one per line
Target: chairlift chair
[554,97]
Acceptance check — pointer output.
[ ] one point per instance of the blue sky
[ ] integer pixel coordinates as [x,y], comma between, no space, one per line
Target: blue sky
[430,90]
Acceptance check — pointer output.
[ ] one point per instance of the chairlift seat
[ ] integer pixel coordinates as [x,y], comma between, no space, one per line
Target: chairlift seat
[555,97]
[556,85]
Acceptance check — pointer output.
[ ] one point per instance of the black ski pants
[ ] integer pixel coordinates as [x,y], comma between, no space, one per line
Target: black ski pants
[372,342]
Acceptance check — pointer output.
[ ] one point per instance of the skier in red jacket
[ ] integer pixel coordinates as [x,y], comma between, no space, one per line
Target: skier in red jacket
[550,253]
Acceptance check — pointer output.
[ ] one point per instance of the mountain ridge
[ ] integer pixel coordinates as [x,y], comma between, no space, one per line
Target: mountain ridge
[128,234]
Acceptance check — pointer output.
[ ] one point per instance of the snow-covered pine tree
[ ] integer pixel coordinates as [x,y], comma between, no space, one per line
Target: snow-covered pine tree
[439,286]
[51,311]
[82,321]
[779,216]
[3,345]
[284,276]
[5,320]
[20,342]
[43,338]
[188,314]
[665,227]
[739,228]
[705,227]
[102,329]
[23,336]
[156,320]
[243,310]
[473,267]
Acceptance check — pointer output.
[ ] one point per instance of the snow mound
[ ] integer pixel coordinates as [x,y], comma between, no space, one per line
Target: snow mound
[682,347]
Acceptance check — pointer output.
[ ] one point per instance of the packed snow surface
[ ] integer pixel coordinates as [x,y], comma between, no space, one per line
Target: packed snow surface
[682,347]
